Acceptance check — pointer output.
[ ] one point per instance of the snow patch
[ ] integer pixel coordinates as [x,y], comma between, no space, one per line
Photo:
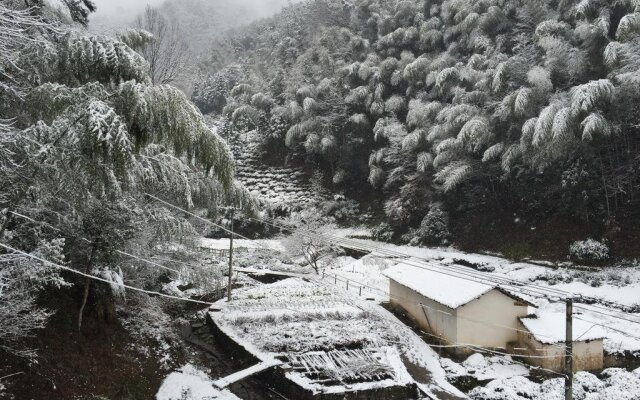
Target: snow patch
[617,384]
[190,383]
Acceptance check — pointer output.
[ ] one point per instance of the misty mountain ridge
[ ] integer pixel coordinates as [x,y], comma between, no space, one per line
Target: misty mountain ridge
[204,21]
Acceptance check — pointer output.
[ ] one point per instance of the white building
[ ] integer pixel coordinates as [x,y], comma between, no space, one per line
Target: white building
[544,337]
[457,310]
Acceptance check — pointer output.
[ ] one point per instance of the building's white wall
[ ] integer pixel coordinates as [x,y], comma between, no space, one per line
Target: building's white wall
[439,319]
[587,356]
[491,320]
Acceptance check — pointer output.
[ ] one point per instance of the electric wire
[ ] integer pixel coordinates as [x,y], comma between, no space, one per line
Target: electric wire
[97,278]
[497,279]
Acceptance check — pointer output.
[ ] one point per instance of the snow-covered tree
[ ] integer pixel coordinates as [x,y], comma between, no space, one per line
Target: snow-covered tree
[88,137]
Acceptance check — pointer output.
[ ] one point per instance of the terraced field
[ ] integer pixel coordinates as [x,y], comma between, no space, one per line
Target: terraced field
[287,186]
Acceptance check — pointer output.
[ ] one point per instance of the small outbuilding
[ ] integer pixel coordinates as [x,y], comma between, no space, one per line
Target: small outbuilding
[457,310]
[544,336]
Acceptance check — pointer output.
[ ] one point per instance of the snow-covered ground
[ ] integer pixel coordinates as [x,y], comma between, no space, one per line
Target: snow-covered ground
[223,244]
[484,368]
[366,281]
[619,285]
[616,384]
[190,383]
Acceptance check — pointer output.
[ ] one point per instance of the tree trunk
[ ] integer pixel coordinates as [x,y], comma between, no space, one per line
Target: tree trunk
[87,285]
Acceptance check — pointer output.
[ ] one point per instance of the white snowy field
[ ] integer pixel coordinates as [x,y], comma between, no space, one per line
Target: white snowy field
[484,368]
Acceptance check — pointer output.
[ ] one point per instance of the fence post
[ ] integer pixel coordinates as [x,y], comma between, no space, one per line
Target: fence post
[347,285]
[360,291]
[335,279]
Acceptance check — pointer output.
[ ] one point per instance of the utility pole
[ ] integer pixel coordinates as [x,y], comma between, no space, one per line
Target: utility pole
[568,352]
[230,257]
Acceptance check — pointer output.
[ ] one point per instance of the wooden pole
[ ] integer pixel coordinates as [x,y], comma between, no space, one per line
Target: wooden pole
[568,350]
[230,258]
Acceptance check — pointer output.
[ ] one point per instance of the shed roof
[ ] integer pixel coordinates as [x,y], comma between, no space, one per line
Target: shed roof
[442,287]
[549,328]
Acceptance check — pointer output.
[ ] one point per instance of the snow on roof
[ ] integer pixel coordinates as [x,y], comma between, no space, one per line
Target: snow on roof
[448,290]
[549,328]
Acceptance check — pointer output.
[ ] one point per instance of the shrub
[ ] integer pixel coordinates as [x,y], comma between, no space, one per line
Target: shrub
[434,228]
[342,210]
[589,251]
[382,232]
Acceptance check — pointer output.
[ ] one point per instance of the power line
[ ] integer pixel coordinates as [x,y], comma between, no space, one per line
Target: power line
[231,232]
[605,314]
[493,278]
[89,241]
[147,261]
[609,328]
[198,217]
[438,270]
[97,278]
[258,244]
[459,272]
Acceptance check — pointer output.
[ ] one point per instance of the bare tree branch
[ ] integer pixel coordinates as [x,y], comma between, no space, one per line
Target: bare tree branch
[168,53]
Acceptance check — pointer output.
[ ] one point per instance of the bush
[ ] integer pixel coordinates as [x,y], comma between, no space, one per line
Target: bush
[342,210]
[382,232]
[589,251]
[434,228]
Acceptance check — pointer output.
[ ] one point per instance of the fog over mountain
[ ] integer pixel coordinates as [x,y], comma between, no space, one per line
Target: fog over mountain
[115,13]
[114,8]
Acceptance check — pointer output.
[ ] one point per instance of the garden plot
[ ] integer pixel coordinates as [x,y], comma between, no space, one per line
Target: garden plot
[260,255]
[327,342]
[365,272]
